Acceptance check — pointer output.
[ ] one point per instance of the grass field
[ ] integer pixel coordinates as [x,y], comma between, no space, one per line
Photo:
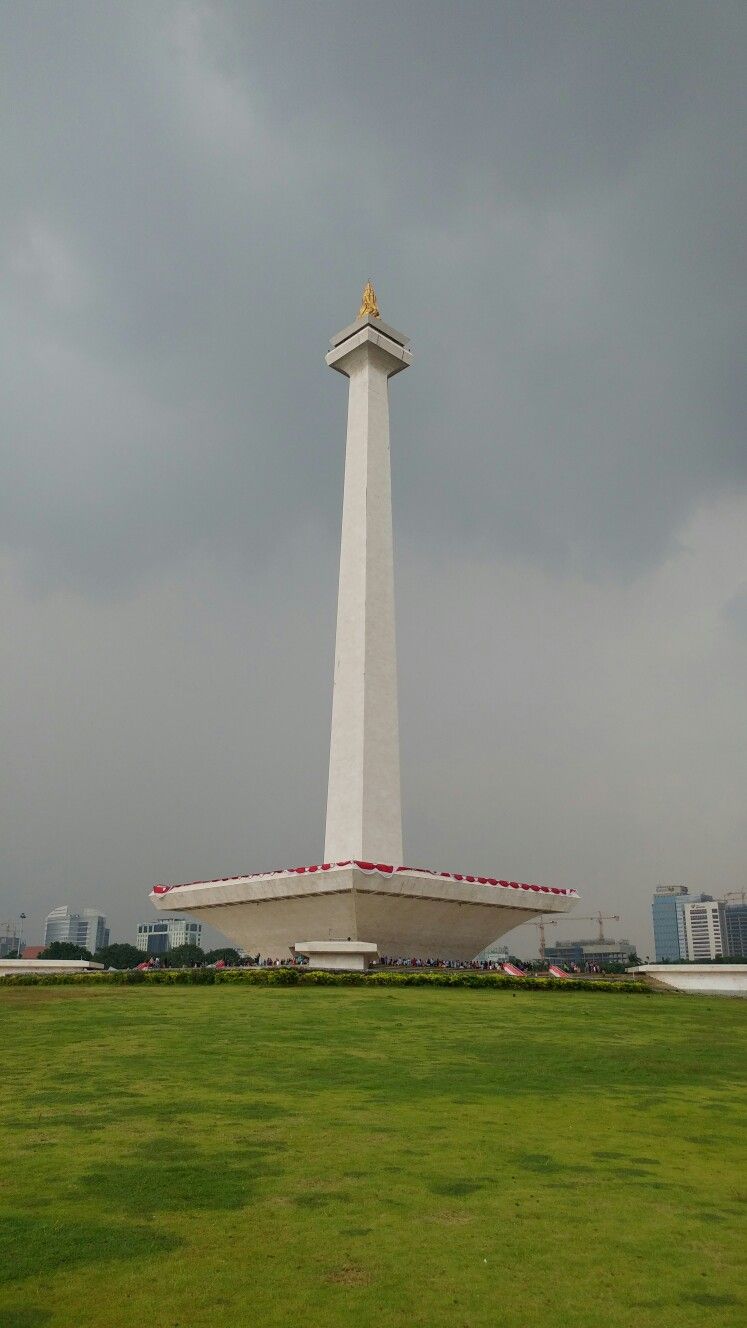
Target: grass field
[227,1156]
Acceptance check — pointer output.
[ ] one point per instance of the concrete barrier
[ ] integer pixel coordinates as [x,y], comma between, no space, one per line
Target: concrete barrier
[10,966]
[706,979]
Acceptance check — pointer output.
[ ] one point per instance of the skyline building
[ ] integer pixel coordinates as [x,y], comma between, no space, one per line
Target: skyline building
[668,924]
[705,929]
[362,891]
[668,917]
[157,938]
[86,928]
[11,943]
[494,954]
[697,926]
[586,952]
[735,921]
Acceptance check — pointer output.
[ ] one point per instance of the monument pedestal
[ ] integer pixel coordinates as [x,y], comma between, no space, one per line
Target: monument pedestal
[405,912]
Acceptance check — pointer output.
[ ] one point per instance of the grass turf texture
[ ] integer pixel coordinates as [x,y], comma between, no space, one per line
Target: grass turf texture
[222,1155]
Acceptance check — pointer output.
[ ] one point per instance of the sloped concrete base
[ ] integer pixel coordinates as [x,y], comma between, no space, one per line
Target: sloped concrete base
[405,912]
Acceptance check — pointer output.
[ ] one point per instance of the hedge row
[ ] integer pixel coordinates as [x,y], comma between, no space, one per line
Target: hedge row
[300,977]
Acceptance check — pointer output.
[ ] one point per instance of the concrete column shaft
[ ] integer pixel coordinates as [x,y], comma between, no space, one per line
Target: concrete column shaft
[364,817]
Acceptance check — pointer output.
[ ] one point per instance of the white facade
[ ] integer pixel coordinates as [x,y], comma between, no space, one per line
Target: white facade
[681,929]
[364,815]
[165,934]
[87,928]
[705,930]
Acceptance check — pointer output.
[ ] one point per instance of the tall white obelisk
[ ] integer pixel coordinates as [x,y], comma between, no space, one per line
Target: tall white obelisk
[362,891]
[364,812]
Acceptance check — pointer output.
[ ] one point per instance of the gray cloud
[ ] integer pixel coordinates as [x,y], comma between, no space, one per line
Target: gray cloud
[550,199]
[735,611]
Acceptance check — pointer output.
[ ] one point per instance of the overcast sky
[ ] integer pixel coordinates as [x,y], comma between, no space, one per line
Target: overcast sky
[550,200]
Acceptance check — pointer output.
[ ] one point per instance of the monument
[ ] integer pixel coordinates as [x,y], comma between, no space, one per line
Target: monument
[362,892]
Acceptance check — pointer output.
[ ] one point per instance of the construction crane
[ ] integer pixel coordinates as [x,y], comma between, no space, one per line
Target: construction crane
[540,924]
[736,894]
[599,918]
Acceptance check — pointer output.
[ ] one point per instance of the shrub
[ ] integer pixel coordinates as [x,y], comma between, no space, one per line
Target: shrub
[304,977]
[119,955]
[65,950]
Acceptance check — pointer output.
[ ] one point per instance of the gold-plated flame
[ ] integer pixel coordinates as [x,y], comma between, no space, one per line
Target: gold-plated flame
[369,307]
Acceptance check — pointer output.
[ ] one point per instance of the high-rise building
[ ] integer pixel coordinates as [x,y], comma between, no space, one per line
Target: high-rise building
[157,938]
[87,928]
[705,929]
[667,910]
[669,929]
[735,920]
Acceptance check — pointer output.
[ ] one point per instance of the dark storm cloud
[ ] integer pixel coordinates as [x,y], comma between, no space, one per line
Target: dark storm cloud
[550,199]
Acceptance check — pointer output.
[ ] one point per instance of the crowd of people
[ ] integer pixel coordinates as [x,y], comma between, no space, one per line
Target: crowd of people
[388,962]
[477,966]
[384,961]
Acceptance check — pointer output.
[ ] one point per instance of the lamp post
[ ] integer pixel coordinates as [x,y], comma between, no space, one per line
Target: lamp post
[21,919]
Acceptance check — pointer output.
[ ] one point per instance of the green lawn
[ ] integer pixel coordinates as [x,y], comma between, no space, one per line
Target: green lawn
[247,1156]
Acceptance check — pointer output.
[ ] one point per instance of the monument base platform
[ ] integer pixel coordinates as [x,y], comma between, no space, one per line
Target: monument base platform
[406,912]
[337,956]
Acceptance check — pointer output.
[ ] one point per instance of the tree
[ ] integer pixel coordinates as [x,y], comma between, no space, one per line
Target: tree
[227,954]
[120,955]
[65,950]
[185,956]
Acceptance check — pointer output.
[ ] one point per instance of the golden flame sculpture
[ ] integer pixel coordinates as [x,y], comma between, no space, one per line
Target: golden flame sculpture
[369,306]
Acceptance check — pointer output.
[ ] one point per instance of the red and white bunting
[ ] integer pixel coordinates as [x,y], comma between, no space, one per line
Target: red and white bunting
[376,869]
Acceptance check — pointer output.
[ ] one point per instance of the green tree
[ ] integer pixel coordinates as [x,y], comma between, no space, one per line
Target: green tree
[120,955]
[227,954]
[185,956]
[65,950]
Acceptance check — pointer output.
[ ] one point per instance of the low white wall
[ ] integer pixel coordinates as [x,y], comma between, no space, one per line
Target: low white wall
[706,979]
[47,966]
